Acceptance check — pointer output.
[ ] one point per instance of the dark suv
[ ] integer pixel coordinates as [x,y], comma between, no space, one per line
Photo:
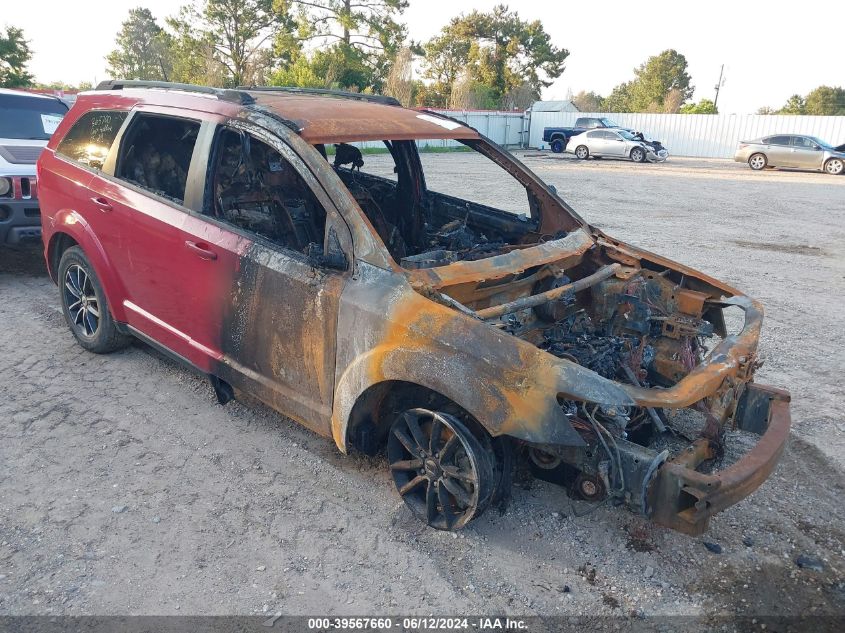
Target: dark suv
[378,307]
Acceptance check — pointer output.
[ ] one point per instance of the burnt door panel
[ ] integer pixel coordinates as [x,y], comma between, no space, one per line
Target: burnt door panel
[280,334]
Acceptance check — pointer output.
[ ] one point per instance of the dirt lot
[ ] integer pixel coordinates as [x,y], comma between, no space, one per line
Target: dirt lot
[125,489]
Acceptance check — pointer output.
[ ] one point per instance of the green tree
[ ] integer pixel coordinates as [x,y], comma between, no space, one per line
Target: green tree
[705,106]
[619,100]
[14,56]
[227,42]
[826,101]
[143,49]
[656,78]
[358,40]
[588,101]
[794,105]
[766,110]
[446,57]
[506,52]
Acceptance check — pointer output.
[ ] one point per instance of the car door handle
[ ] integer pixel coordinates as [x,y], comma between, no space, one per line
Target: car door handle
[102,204]
[201,249]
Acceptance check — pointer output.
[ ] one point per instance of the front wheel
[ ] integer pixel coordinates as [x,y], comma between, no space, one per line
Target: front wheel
[558,145]
[758,162]
[582,152]
[834,166]
[638,155]
[84,304]
[442,472]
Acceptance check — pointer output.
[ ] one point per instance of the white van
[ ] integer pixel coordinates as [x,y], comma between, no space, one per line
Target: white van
[26,123]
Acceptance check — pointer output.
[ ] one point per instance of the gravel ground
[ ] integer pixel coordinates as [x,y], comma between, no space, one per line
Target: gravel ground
[124,488]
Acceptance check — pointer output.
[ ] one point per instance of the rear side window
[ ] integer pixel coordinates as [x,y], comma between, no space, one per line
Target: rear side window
[89,139]
[156,154]
[780,140]
[29,118]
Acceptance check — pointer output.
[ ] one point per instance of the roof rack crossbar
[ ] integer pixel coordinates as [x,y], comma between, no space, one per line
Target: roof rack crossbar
[325,92]
[224,94]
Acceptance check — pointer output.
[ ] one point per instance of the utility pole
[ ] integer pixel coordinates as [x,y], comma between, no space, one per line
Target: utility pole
[719,86]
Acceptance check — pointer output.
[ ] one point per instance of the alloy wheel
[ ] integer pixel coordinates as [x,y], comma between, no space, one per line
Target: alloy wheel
[81,301]
[834,166]
[581,152]
[439,468]
[758,161]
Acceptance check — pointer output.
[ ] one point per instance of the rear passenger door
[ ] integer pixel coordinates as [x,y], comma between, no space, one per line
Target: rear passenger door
[171,263]
[779,151]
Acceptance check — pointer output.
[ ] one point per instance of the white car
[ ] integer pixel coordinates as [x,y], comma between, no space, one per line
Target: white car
[26,123]
[616,143]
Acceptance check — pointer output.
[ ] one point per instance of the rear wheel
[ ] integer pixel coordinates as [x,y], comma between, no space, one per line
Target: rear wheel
[758,162]
[834,166]
[558,145]
[582,152]
[638,155]
[442,472]
[84,304]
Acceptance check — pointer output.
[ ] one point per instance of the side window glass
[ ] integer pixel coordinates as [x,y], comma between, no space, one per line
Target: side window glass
[89,140]
[257,189]
[156,154]
[779,140]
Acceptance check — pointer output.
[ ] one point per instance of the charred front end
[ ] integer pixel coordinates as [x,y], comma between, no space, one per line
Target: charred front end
[674,441]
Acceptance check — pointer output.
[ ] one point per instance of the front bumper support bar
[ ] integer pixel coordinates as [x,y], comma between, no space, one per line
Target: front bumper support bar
[685,499]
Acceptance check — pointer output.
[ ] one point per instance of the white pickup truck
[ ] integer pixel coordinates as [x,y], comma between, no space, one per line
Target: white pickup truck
[26,123]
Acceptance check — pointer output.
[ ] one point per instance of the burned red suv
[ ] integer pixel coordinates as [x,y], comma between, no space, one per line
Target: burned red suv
[244,233]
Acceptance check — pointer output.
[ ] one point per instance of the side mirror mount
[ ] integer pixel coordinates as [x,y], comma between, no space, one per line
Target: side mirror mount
[332,258]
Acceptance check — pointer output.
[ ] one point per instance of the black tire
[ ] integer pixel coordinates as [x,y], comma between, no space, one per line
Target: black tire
[84,305]
[582,152]
[558,145]
[638,155]
[834,166]
[442,472]
[758,161]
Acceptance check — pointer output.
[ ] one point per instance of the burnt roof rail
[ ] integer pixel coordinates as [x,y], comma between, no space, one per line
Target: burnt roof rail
[325,92]
[224,94]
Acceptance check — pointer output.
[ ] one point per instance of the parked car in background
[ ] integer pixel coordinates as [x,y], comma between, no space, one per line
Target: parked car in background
[796,151]
[456,333]
[558,137]
[26,123]
[617,143]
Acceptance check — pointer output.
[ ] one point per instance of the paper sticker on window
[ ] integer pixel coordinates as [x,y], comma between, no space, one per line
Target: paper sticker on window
[50,122]
[449,125]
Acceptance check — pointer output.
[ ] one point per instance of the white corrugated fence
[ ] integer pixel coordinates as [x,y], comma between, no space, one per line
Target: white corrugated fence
[701,135]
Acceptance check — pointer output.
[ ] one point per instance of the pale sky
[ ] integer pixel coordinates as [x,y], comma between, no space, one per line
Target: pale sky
[770,50]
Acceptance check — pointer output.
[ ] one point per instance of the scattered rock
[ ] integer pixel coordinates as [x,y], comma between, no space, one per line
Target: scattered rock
[610,601]
[809,562]
[261,568]
[713,547]
[566,589]
[119,509]
[649,572]
[747,541]
[156,519]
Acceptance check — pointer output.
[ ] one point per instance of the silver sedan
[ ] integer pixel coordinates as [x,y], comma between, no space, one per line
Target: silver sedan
[791,150]
[616,143]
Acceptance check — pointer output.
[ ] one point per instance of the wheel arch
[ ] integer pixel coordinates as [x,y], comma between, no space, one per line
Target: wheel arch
[372,413]
[74,230]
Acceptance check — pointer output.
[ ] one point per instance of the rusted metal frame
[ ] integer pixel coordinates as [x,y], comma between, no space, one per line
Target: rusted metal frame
[573,246]
[550,295]
[725,360]
[714,493]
